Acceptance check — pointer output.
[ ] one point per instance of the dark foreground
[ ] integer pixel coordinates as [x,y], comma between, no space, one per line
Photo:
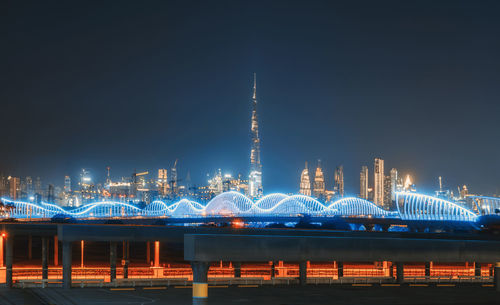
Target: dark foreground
[266,295]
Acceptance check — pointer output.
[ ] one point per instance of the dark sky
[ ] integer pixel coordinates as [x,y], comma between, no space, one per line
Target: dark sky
[137,84]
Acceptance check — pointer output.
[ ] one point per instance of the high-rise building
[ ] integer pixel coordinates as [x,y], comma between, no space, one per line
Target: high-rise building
[363,182]
[378,182]
[14,188]
[319,182]
[305,182]
[67,184]
[387,192]
[38,186]
[394,183]
[338,187]
[162,182]
[173,179]
[255,177]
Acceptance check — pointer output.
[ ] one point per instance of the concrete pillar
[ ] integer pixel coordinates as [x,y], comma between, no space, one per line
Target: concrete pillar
[45,258]
[126,253]
[82,254]
[9,250]
[112,261]
[303,273]
[237,269]
[400,272]
[30,247]
[200,282]
[340,269]
[66,260]
[273,269]
[157,253]
[477,269]
[427,269]
[496,278]
[56,251]
[148,252]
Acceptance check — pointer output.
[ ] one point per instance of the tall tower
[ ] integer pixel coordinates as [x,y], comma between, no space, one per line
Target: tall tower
[319,182]
[339,181]
[363,182]
[255,177]
[394,183]
[378,182]
[305,182]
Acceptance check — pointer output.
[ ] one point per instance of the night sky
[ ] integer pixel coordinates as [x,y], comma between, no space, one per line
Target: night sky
[137,84]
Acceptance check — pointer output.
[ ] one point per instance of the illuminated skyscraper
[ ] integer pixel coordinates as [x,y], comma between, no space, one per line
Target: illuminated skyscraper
[162,182]
[338,187]
[363,182]
[319,182]
[67,184]
[394,183]
[14,188]
[305,182]
[378,182]
[255,177]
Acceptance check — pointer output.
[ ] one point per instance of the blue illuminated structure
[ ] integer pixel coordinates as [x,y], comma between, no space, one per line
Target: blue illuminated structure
[413,206]
[410,206]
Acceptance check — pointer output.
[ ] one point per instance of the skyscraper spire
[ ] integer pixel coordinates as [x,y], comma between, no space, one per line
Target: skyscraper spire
[255,177]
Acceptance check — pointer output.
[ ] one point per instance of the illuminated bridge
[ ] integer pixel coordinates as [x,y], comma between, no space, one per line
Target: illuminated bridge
[409,206]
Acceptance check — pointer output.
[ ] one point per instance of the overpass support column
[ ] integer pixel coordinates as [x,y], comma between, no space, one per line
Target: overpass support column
[427,269]
[66,260]
[477,269]
[496,277]
[303,273]
[237,269]
[340,269]
[400,275]
[157,253]
[45,254]
[112,261]
[56,251]
[126,253]
[200,282]
[9,250]
[148,252]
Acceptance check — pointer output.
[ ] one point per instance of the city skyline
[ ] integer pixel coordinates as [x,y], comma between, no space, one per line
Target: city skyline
[139,105]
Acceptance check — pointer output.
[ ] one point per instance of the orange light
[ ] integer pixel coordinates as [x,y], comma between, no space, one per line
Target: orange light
[4,234]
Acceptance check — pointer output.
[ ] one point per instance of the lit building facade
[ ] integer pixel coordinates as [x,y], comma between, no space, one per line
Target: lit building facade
[305,182]
[363,182]
[394,183]
[162,182]
[255,177]
[378,182]
[338,187]
[319,182]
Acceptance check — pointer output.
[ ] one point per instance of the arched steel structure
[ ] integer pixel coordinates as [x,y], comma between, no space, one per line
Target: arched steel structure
[225,204]
[413,206]
[410,206]
[485,205]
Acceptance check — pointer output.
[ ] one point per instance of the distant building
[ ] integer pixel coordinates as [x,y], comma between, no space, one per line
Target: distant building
[394,183]
[14,188]
[319,182]
[387,192]
[338,187]
[363,182]
[305,182]
[67,184]
[378,182]
[162,182]
[255,177]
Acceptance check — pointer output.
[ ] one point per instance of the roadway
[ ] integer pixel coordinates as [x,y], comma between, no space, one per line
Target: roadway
[264,295]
